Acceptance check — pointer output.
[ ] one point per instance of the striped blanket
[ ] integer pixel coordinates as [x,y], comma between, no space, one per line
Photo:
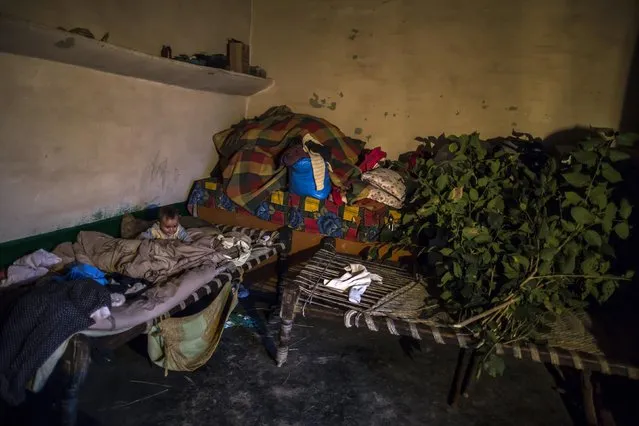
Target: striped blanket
[250,154]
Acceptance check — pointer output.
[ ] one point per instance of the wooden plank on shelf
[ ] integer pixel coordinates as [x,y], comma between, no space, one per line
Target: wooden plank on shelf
[28,39]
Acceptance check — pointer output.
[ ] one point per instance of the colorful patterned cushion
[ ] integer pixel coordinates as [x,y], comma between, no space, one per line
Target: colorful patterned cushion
[302,213]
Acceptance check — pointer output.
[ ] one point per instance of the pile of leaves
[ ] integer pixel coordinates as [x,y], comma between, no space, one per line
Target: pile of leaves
[523,235]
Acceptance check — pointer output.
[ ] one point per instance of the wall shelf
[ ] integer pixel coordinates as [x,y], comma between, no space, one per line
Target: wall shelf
[28,39]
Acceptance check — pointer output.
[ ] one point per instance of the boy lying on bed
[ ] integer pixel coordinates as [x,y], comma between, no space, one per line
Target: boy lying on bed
[167,227]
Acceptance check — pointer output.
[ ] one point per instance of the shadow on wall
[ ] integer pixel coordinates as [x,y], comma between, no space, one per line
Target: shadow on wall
[630,109]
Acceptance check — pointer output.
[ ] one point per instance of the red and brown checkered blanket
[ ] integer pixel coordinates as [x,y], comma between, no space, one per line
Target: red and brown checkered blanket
[250,154]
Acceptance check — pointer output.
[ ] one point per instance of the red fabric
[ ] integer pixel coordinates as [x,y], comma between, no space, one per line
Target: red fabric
[293,200]
[370,218]
[412,160]
[371,159]
[351,234]
[278,218]
[337,196]
[310,225]
[331,207]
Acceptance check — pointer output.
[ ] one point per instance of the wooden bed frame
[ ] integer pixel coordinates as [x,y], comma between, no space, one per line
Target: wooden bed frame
[301,240]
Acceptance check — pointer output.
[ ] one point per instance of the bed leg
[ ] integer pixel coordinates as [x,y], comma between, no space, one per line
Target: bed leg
[328,243]
[287,315]
[74,365]
[463,360]
[286,237]
[471,372]
[587,394]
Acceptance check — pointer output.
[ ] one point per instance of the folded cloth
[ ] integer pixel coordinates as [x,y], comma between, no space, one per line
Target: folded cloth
[372,159]
[356,280]
[30,267]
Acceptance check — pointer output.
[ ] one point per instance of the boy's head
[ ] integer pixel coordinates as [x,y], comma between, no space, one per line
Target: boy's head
[169,220]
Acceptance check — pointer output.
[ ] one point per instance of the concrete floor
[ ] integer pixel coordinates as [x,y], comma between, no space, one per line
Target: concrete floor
[334,376]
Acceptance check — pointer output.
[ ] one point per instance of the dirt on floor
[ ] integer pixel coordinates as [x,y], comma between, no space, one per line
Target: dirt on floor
[334,376]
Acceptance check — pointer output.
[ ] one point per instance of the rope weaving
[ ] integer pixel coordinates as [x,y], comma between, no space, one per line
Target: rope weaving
[397,305]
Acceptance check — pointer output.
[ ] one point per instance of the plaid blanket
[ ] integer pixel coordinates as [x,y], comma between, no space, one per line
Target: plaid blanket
[250,153]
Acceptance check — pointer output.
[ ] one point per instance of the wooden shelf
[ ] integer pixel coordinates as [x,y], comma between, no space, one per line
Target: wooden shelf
[28,39]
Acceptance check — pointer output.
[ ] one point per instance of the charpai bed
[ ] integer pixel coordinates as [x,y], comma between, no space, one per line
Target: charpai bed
[133,319]
[195,283]
[393,306]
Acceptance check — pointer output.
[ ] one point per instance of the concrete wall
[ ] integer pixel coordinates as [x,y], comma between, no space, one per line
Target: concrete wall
[78,145]
[391,70]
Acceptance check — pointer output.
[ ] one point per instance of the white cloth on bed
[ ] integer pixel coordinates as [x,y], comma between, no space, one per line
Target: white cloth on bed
[243,244]
[356,280]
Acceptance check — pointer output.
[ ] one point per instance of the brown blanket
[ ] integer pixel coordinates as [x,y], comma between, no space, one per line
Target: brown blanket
[154,260]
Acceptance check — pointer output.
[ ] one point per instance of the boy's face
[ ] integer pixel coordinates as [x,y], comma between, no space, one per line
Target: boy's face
[169,226]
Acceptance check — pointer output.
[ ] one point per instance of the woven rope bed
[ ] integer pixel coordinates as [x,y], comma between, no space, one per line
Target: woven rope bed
[567,344]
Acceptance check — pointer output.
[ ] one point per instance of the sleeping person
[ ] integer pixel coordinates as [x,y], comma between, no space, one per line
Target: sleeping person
[167,227]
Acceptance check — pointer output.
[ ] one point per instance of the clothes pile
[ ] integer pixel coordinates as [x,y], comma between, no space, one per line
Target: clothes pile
[100,283]
[35,319]
[254,154]
[308,156]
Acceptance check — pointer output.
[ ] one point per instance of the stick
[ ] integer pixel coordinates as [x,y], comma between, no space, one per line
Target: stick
[149,383]
[141,399]
[486,313]
[287,377]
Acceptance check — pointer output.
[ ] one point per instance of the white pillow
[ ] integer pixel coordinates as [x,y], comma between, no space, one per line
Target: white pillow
[387,180]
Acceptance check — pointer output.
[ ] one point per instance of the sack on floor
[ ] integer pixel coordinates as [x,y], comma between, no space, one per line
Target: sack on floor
[187,343]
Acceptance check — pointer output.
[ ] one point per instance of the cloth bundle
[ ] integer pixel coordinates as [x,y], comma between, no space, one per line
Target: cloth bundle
[30,267]
[356,280]
[241,242]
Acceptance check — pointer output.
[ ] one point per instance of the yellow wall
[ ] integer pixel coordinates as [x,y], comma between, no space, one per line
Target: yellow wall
[397,69]
[77,145]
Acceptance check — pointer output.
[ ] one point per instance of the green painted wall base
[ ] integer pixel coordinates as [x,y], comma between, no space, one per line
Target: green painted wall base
[11,250]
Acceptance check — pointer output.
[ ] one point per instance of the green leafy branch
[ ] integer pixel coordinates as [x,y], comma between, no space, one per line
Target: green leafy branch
[522,235]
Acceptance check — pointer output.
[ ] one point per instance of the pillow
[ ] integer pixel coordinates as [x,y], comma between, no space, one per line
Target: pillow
[388,180]
[374,193]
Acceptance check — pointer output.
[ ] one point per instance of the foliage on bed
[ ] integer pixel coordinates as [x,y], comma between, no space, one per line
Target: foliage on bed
[523,237]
